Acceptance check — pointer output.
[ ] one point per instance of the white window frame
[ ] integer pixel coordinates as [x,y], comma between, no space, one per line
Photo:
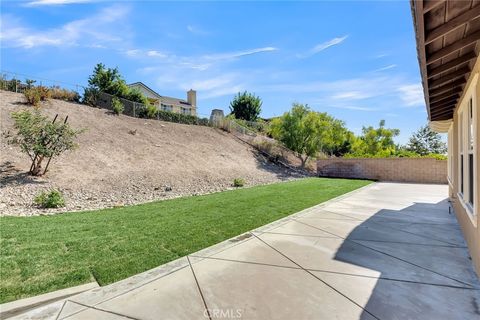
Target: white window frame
[451,156]
[471,137]
[461,155]
[167,108]
[465,150]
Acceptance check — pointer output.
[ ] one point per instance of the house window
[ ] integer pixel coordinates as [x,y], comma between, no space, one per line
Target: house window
[470,144]
[460,146]
[467,150]
[185,111]
[450,137]
[166,107]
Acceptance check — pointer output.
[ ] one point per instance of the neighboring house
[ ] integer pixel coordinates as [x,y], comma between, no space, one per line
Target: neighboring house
[448,34]
[170,104]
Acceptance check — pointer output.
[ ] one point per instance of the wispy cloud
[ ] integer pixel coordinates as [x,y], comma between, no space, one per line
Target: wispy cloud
[98,28]
[133,52]
[351,95]
[322,46]
[390,66]
[381,55]
[196,62]
[210,84]
[155,53]
[227,84]
[38,3]
[197,30]
[412,95]
[210,74]
[371,93]
[238,54]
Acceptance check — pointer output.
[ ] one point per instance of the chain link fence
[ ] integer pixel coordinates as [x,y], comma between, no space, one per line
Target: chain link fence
[130,108]
[18,82]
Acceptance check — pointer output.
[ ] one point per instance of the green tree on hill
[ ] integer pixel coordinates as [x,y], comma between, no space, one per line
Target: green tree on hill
[246,106]
[425,141]
[109,80]
[307,132]
[375,141]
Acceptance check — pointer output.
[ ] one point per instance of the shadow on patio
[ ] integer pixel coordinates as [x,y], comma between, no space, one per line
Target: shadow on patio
[423,266]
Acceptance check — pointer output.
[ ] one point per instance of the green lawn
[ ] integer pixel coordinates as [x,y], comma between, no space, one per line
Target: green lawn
[46,253]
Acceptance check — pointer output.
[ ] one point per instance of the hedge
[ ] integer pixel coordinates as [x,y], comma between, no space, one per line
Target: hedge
[176,117]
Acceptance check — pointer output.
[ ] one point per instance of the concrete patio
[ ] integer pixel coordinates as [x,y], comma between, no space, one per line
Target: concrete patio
[386,251]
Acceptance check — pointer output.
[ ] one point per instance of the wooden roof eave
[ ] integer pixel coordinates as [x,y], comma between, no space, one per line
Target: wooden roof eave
[417,14]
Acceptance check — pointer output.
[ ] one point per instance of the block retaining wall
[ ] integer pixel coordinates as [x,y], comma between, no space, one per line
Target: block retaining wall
[417,170]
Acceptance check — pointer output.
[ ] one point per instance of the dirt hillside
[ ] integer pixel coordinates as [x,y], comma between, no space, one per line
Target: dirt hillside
[114,167]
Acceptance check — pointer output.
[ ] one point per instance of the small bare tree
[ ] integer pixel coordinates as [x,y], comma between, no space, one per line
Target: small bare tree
[42,139]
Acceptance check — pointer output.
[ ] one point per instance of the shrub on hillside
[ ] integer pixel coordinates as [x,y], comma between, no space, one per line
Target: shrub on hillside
[203,122]
[117,106]
[271,149]
[44,92]
[64,94]
[258,126]
[91,96]
[33,96]
[50,199]
[238,182]
[151,111]
[30,83]
[9,85]
[41,138]
[36,94]
[174,117]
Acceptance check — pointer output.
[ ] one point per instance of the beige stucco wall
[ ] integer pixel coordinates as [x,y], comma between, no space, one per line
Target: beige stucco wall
[469,219]
[418,170]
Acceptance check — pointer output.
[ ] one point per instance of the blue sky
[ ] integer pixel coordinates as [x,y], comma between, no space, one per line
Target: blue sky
[355,60]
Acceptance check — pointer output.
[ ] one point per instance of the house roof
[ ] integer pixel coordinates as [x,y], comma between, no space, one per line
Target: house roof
[163,99]
[447,34]
[145,87]
[170,100]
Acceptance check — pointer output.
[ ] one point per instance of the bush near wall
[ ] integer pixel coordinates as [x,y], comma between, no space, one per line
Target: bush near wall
[149,112]
[64,94]
[181,118]
[258,126]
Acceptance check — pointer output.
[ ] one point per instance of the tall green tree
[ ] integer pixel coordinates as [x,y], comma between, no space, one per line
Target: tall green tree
[375,141]
[307,132]
[337,139]
[425,141]
[246,106]
[109,80]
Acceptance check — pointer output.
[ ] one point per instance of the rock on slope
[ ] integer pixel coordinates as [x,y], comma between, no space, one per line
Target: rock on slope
[113,167]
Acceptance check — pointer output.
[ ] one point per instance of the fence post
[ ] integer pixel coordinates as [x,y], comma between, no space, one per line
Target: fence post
[15,79]
[134,104]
